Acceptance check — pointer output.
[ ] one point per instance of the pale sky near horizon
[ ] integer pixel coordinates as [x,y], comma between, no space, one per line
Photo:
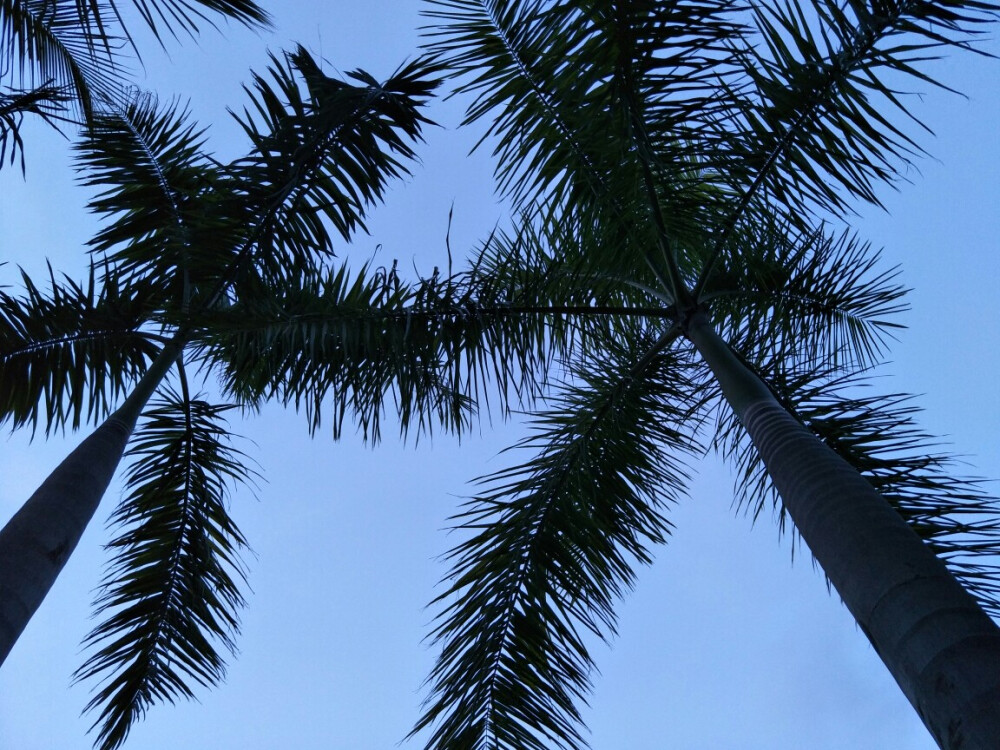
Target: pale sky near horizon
[724,645]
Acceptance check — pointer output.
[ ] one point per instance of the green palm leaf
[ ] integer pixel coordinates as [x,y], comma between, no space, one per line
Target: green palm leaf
[553,543]
[551,75]
[44,43]
[172,593]
[812,122]
[342,343]
[68,353]
[157,188]
[171,16]
[186,16]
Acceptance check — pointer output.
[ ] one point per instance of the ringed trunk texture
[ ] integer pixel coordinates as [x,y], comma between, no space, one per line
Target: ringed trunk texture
[938,643]
[38,540]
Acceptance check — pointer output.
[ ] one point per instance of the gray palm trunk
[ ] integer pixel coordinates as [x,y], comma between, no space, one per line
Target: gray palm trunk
[38,540]
[940,646]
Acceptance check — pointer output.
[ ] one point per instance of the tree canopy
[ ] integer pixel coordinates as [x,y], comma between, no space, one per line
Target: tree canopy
[530,271]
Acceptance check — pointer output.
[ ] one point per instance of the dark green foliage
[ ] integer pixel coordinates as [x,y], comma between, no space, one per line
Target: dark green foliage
[67,354]
[46,102]
[552,547]
[669,159]
[62,59]
[323,151]
[157,189]
[173,585]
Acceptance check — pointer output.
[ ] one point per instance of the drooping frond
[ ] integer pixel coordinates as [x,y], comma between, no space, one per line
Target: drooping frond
[187,16]
[171,16]
[879,436]
[346,343]
[340,345]
[553,544]
[813,298]
[46,101]
[171,595]
[67,353]
[323,150]
[46,44]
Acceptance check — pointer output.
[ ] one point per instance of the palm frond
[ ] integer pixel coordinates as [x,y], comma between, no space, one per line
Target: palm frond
[817,128]
[807,298]
[554,77]
[187,16]
[171,16]
[322,150]
[554,541]
[345,343]
[879,436]
[46,101]
[159,191]
[171,595]
[47,43]
[67,353]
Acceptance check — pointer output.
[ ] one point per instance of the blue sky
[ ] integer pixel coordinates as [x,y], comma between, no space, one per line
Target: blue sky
[724,644]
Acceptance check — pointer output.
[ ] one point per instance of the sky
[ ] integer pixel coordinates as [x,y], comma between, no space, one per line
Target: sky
[724,644]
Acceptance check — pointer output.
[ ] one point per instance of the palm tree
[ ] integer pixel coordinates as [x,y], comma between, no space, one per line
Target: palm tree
[195,255]
[675,167]
[59,60]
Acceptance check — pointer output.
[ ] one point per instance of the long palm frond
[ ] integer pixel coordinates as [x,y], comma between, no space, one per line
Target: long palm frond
[812,125]
[171,595]
[67,353]
[551,76]
[187,16]
[99,17]
[553,543]
[341,343]
[156,190]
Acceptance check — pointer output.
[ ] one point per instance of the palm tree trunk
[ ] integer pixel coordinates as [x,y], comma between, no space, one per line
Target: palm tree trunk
[36,543]
[939,645]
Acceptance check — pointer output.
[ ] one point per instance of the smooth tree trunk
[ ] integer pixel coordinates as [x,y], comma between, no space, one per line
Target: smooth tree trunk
[938,643]
[38,540]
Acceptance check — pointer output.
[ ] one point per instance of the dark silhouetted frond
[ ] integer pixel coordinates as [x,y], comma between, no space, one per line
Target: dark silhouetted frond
[825,118]
[67,353]
[815,298]
[48,101]
[49,44]
[323,151]
[157,188]
[171,595]
[553,543]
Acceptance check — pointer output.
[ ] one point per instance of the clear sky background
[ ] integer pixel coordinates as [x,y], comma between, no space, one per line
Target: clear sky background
[724,644]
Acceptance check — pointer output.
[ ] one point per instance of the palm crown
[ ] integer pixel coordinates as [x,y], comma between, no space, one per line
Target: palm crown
[674,163]
[197,262]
